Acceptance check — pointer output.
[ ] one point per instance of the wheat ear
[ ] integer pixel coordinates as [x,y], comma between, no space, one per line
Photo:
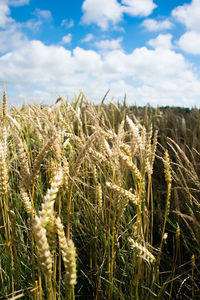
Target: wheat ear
[4,107]
[23,161]
[42,246]
[49,198]
[3,171]
[143,251]
[123,192]
[68,254]
[27,202]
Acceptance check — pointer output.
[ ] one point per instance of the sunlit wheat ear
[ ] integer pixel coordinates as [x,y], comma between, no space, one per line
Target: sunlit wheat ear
[99,194]
[125,148]
[97,186]
[65,172]
[4,107]
[168,178]
[107,148]
[1,111]
[3,172]
[68,254]
[76,113]
[135,131]
[49,198]
[14,122]
[97,155]
[51,233]
[109,135]
[143,138]
[83,152]
[67,126]
[143,252]
[131,165]
[123,192]
[71,277]
[121,132]
[27,202]
[42,246]
[23,161]
[4,138]
[148,168]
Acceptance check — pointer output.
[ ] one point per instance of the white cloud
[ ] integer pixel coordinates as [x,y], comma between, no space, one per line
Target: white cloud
[35,24]
[161,41]
[150,67]
[12,38]
[67,23]
[66,39]
[111,11]
[141,8]
[34,60]
[4,14]
[109,44]
[11,32]
[32,24]
[190,42]
[43,14]
[188,14]
[87,62]
[157,76]
[154,25]
[101,12]
[87,38]
[18,2]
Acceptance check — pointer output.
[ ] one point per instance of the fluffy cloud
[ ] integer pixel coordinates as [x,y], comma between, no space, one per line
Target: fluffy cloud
[153,25]
[35,63]
[190,42]
[111,11]
[141,8]
[101,12]
[5,11]
[10,34]
[87,38]
[188,14]
[161,41]
[109,44]
[4,14]
[156,76]
[11,38]
[43,14]
[66,39]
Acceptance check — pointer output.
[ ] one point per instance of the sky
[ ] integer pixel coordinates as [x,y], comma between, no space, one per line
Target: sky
[148,50]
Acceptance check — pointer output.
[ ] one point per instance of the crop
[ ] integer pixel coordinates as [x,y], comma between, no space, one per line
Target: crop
[99,202]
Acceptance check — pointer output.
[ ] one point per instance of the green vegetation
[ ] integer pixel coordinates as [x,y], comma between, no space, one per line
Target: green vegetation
[99,202]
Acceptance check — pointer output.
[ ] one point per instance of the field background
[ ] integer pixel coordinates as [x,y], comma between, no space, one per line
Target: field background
[99,201]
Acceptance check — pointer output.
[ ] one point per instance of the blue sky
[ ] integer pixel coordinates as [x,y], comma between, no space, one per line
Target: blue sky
[146,49]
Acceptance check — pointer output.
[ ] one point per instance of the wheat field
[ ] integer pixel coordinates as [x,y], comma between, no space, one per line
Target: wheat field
[99,201]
